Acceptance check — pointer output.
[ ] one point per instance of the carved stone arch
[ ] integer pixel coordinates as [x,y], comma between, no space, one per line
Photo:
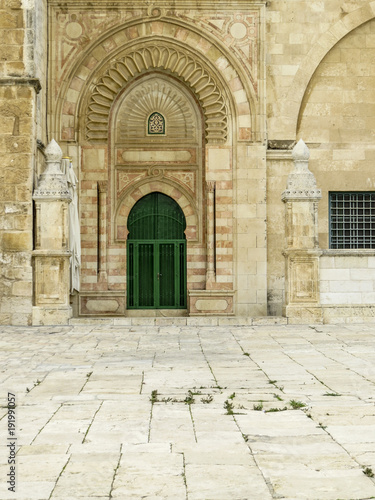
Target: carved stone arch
[313,59]
[153,91]
[137,191]
[244,110]
[169,59]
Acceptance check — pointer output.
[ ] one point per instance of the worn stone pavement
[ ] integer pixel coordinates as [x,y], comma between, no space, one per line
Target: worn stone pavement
[90,424]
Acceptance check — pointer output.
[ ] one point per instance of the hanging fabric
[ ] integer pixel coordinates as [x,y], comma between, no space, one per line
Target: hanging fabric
[74,227]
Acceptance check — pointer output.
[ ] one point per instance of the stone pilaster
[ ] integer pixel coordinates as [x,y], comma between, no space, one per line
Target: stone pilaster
[51,254]
[210,273]
[301,197]
[102,250]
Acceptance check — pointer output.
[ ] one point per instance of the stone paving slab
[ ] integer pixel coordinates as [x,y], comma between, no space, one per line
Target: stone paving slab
[195,410]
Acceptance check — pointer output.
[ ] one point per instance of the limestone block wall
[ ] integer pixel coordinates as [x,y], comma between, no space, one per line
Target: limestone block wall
[338,119]
[251,230]
[16,177]
[279,166]
[347,279]
[347,286]
[19,85]
[320,87]
[299,34]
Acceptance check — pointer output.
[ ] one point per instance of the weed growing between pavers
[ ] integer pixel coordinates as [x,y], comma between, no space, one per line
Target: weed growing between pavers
[274,382]
[115,473]
[296,405]
[154,396]
[208,399]
[194,392]
[274,410]
[258,407]
[189,400]
[331,394]
[38,382]
[229,407]
[367,471]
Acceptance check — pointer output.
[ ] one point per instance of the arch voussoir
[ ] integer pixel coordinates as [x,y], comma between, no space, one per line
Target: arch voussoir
[153,57]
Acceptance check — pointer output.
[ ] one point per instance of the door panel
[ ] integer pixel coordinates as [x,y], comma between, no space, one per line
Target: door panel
[166,271]
[156,250]
[157,275]
[146,274]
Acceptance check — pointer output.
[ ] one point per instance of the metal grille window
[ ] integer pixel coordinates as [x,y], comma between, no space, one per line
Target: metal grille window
[352,220]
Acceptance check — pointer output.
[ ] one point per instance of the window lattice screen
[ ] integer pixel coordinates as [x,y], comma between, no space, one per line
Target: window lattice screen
[352,220]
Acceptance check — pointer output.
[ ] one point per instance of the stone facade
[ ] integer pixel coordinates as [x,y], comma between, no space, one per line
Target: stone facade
[238,84]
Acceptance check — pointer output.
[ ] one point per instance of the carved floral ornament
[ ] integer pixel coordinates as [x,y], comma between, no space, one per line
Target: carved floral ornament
[174,61]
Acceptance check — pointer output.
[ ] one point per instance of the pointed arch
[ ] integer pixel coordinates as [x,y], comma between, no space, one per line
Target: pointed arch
[175,61]
[165,186]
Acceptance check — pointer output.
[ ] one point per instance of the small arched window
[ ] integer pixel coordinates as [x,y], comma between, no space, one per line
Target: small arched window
[156,124]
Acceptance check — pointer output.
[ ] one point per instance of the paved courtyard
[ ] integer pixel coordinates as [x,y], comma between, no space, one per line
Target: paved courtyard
[188,412]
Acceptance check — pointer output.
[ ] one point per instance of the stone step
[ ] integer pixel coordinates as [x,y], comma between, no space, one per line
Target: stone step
[181,321]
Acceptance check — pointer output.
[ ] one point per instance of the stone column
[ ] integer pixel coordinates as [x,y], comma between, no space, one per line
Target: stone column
[302,296]
[102,250]
[51,254]
[210,273]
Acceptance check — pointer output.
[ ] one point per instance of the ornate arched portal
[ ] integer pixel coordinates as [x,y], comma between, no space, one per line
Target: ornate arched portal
[163,107]
[165,158]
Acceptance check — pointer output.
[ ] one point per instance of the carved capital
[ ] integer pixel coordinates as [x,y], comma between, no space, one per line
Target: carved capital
[103,186]
[210,186]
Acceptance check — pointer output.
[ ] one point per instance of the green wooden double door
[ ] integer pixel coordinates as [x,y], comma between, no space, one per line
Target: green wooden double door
[156,254]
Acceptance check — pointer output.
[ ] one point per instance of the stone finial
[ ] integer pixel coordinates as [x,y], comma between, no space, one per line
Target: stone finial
[53,152]
[300,151]
[52,183]
[301,184]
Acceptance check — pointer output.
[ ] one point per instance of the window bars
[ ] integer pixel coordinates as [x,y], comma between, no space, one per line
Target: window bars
[352,219]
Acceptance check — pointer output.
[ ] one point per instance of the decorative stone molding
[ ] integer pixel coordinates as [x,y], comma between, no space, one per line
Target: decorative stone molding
[301,182]
[103,186]
[166,58]
[105,303]
[135,192]
[156,95]
[210,186]
[211,302]
[24,81]
[52,182]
